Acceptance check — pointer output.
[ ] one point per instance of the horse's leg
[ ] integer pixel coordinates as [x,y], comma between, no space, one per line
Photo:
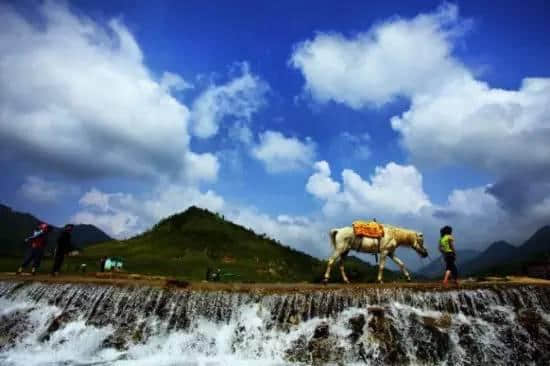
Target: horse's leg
[381,265]
[335,255]
[344,277]
[400,263]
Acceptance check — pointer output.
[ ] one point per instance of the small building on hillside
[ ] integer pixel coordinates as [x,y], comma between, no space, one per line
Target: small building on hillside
[539,269]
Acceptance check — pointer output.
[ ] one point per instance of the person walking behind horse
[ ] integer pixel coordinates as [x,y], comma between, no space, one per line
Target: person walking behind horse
[38,242]
[64,246]
[447,249]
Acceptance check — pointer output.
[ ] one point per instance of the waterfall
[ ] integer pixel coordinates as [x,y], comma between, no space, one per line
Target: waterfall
[72,324]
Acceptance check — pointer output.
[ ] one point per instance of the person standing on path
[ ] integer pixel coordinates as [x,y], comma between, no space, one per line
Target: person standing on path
[447,249]
[38,242]
[64,246]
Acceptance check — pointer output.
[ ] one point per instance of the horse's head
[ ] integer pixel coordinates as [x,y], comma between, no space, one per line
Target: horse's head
[419,245]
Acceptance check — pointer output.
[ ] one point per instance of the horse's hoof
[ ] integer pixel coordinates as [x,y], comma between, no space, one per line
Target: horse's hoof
[380,282]
[347,282]
[409,280]
[324,281]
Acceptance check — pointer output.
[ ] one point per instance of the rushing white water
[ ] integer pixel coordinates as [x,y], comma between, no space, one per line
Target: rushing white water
[67,324]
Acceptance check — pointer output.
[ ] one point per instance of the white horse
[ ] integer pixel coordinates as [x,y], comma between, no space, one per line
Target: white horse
[343,240]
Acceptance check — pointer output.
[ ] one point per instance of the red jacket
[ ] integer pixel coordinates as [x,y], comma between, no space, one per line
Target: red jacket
[38,239]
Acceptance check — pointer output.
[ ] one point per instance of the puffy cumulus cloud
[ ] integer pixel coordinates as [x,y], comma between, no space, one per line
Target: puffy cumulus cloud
[122,214]
[453,118]
[38,189]
[393,189]
[283,154]
[307,234]
[320,184]
[467,121]
[75,95]
[479,218]
[239,98]
[201,167]
[374,67]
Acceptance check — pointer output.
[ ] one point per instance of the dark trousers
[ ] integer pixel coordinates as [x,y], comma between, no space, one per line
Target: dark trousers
[35,256]
[451,266]
[58,262]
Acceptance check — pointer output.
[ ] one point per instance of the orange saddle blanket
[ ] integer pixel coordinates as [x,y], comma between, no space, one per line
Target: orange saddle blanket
[370,229]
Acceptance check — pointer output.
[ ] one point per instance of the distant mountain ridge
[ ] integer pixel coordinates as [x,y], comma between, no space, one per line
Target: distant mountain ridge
[500,257]
[503,258]
[16,226]
[436,267]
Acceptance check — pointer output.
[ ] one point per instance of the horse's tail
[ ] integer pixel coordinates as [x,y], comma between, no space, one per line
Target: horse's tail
[332,233]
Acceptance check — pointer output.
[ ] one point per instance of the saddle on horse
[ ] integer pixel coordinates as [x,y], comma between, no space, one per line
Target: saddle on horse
[369,229]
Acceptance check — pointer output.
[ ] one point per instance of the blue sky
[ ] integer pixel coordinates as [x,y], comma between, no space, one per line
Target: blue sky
[288,117]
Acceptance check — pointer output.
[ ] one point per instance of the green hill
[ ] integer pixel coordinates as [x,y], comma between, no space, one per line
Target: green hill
[188,243]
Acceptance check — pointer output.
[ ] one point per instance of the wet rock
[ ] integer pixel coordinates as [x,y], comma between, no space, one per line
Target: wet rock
[321,331]
[57,323]
[444,321]
[496,316]
[298,350]
[376,310]
[117,340]
[432,343]
[474,353]
[320,349]
[356,325]
[294,319]
[13,327]
[530,320]
[323,350]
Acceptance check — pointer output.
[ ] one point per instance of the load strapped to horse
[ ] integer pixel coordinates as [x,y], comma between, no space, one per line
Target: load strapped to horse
[369,229]
[373,237]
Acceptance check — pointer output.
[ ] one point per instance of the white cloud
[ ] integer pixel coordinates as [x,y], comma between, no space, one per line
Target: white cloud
[454,118]
[320,184]
[75,95]
[298,232]
[282,154]
[122,214]
[393,189]
[398,57]
[500,131]
[173,82]
[240,98]
[39,190]
[472,201]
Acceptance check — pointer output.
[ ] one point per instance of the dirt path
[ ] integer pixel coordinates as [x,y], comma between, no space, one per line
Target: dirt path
[123,279]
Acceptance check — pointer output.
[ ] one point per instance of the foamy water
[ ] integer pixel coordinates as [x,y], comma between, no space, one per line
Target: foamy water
[96,325]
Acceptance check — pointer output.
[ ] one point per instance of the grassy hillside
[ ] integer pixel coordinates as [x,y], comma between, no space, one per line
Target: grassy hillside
[186,244]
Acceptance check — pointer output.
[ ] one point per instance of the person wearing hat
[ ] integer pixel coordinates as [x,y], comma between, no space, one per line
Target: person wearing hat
[63,247]
[38,242]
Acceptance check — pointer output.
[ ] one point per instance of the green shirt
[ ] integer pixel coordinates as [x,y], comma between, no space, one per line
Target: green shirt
[444,243]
